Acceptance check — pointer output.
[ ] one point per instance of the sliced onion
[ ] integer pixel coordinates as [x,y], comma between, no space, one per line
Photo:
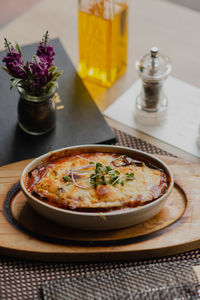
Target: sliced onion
[72,176]
[121,163]
[78,169]
[115,180]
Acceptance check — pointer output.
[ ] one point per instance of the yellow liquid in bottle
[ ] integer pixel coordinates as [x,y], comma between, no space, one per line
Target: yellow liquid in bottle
[103,43]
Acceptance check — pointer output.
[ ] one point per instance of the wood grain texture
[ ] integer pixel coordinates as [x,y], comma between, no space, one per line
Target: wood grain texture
[182,236]
[26,217]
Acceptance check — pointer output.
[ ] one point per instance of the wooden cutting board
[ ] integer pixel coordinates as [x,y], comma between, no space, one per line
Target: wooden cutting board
[175,229]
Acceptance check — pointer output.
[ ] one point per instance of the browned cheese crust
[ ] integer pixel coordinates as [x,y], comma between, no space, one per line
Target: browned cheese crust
[74,182]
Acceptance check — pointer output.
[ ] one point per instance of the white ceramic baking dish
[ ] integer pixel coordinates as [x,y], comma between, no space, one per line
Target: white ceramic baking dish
[94,220]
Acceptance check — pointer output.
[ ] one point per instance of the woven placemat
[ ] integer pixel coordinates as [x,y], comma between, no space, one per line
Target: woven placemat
[23,279]
[154,281]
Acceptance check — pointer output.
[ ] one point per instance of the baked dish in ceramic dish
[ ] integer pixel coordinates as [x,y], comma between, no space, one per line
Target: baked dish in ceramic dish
[97,187]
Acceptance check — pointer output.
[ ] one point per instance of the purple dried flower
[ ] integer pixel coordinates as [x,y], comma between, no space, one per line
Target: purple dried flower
[45,52]
[40,72]
[35,77]
[14,62]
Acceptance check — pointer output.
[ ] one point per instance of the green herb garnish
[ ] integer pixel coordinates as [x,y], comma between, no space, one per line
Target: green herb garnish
[67,178]
[113,178]
[104,175]
[117,179]
[93,180]
[103,180]
[99,168]
[129,176]
[108,169]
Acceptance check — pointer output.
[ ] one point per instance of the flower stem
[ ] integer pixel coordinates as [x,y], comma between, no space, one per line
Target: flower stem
[7,45]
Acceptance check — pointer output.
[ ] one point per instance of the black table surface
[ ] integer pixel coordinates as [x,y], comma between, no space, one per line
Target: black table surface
[80,122]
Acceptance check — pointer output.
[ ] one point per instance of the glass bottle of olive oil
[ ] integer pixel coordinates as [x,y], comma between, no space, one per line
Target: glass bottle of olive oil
[102,40]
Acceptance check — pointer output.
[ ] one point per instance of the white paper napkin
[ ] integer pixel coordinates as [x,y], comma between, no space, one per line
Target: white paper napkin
[180,128]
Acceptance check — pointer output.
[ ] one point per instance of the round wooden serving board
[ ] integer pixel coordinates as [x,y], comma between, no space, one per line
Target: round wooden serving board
[28,235]
[21,214]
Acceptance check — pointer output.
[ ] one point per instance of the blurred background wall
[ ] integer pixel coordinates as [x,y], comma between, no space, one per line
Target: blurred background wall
[10,9]
[193,4]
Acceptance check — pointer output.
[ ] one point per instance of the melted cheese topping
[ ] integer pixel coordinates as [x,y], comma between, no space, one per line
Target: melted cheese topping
[46,183]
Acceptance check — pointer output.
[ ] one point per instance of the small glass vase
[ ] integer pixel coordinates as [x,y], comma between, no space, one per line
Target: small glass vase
[36,114]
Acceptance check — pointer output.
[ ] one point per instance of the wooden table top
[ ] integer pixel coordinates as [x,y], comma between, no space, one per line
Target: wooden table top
[173,28]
